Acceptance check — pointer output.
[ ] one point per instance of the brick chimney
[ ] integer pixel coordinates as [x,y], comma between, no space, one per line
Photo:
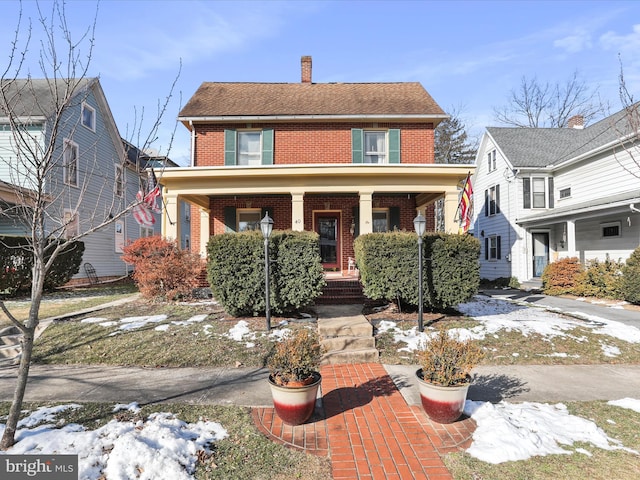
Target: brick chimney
[306,69]
[577,121]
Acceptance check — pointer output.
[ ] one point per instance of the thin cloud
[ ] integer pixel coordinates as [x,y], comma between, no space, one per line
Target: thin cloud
[575,43]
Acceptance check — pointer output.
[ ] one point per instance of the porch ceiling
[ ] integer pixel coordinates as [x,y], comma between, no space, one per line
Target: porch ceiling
[197,183]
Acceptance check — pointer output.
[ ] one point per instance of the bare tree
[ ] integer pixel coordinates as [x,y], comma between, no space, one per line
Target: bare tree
[37,112]
[537,104]
[626,125]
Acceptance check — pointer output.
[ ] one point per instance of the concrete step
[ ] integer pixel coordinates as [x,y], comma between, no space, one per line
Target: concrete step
[13,339]
[10,330]
[348,343]
[10,351]
[365,355]
[357,326]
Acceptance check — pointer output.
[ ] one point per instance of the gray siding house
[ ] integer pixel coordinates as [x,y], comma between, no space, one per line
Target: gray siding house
[541,194]
[94,176]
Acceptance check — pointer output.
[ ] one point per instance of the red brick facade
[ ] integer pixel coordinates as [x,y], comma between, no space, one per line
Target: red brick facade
[316,143]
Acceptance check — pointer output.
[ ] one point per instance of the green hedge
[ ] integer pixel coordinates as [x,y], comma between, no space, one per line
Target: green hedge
[389,268]
[235,270]
[630,283]
[16,261]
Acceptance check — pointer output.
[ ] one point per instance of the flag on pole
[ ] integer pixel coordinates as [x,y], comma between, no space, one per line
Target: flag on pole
[147,204]
[153,192]
[466,205]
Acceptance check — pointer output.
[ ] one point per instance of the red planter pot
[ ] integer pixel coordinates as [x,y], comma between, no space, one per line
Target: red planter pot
[295,405]
[442,404]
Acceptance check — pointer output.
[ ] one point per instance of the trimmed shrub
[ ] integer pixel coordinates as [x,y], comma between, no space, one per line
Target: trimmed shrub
[560,277]
[16,262]
[235,270]
[630,282]
[389,270]
[162,271]
[600,279]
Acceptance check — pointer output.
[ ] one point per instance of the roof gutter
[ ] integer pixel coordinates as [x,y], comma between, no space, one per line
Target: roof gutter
[263,118]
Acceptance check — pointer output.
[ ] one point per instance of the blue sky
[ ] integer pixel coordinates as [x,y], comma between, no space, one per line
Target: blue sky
[467,54]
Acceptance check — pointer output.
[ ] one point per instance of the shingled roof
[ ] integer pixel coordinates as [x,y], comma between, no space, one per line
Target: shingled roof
[544,147]
[214,99]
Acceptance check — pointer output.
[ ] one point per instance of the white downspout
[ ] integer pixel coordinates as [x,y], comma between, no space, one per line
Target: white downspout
[193,143]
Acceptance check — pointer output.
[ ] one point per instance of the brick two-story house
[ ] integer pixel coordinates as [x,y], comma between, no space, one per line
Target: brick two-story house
[341,159]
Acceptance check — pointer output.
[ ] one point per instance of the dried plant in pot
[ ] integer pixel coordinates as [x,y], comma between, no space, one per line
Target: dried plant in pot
[294,377]
[445,375]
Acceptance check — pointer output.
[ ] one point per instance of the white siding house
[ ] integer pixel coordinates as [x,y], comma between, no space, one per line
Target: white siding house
[93,177]
[541,194]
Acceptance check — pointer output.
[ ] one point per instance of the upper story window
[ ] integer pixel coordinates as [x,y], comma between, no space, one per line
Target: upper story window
[375,146]
[70,163]
[248,147]
[537,192]
[119,183]
[492,200]
[88,117]
[491,160]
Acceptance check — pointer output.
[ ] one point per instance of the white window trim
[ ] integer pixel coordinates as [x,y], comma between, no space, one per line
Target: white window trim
[146,231]
[493,258]
[249,130]
[491,160]
[119,181]
[386,212]
[493,202]
[610,224]
[240,211]
[71,223]
[68,143]
[89,108]
[386,145]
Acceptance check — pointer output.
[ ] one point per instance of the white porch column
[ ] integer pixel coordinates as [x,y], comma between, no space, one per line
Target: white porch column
[366,212]
[450,208]
[297,211]
[571,238]
[204,231]
[170,217]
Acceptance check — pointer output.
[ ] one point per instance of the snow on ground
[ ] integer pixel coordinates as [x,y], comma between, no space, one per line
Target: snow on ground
[518,431]
[497,315]
[162,446]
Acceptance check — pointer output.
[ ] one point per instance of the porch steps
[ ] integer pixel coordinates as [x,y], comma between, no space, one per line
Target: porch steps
[341,291]
[10,346]
[345,335]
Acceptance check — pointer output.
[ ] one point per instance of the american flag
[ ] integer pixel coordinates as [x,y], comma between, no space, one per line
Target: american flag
[466,205]
[147,203]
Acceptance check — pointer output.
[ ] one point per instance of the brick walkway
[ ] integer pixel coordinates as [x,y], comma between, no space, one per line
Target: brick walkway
[368,430]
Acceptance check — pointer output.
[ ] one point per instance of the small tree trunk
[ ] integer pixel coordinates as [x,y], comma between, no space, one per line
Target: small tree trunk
[8,437]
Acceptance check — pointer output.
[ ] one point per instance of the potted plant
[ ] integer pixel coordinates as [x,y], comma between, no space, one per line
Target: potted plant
[294,377]
[444,377]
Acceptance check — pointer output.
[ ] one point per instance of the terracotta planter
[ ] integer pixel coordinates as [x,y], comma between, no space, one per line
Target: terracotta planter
[295,405]
[442,404]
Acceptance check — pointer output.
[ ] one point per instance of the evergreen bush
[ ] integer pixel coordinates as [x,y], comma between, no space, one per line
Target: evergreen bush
[235,271]
[630,282]
[389,268]
[16,262]
[600,279]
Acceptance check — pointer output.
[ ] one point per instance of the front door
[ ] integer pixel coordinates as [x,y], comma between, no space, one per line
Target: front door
[328,228]
[540,252]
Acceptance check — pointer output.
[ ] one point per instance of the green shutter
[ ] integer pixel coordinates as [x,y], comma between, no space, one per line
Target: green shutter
[267,146]
[394,145]
[230,148]
[357,141]
[230,219]
[394,218]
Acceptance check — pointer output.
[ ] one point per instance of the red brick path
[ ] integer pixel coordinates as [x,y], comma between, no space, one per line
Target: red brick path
[367,429]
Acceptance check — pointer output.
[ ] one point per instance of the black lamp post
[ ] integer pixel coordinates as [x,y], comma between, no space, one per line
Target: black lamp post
[420,224]
[266,226]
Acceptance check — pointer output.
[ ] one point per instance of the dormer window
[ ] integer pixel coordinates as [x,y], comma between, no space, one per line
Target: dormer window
[88,117]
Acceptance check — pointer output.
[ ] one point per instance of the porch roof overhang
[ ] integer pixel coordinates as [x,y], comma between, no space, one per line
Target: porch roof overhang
[614,204]
[428,181]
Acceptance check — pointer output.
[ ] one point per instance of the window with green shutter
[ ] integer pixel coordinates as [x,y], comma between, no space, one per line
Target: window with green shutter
[356,145]
[248,147]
